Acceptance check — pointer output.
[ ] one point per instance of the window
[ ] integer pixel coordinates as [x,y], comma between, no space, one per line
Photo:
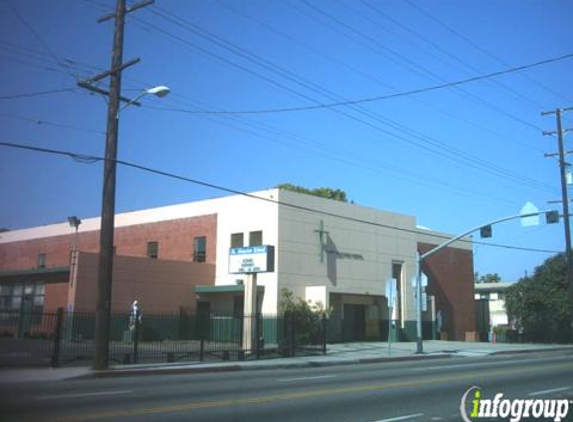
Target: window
[153,250]
[256,238]
[42,260]
[26,297]
[237,240]
[200,249]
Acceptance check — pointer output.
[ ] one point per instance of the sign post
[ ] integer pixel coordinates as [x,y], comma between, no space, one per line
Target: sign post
[251,261]
[250,312]
[391,296]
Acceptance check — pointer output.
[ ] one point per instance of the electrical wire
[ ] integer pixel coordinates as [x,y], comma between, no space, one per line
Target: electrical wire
[92,159]
[50,123]
[381,97]
[321,53]
[438,147]
[479,48]
[36,94]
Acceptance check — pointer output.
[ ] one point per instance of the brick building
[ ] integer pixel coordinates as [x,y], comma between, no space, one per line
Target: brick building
[175,257]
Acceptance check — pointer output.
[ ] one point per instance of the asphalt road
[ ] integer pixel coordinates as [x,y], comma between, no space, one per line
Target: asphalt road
[428,390]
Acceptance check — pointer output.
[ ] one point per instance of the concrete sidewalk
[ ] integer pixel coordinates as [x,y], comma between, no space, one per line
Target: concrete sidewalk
[337,354]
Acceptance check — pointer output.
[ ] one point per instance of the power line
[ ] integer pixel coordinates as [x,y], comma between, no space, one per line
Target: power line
[50,123]
[319,52]
[93,159]
[437,147]
[381,48]
[39,38]
[478,47]
[379,97]
[36,94]
[437,47]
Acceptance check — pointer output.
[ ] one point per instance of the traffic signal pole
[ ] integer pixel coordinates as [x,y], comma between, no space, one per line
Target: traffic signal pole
[422,257]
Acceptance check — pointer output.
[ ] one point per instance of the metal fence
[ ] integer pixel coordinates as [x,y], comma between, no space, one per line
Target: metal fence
[67,338]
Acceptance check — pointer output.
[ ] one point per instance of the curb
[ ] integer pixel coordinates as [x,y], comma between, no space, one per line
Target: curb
[238,367]
[545,349]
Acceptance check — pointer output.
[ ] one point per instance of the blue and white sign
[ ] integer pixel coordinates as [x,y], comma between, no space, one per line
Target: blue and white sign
[252,259]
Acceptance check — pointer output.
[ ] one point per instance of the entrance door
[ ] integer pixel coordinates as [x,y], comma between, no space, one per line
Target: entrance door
[26,316]
[204,320]
[353,326]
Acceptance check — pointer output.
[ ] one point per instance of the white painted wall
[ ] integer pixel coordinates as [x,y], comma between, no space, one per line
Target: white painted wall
[241,214]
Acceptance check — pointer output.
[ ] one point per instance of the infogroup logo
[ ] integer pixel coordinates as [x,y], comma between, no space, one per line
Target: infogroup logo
[511,409]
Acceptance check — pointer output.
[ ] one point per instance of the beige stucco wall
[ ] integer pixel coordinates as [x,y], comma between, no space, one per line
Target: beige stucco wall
[357,258]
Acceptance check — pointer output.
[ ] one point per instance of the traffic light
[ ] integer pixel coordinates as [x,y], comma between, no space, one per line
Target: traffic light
[485,231]
[552,217]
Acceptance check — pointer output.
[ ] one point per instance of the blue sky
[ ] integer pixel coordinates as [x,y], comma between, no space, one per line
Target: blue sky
[454,157]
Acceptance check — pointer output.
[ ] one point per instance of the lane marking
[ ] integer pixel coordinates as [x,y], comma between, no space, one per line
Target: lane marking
[76,395]
[318,377]
[189,406]
[472,365]
[553,390]
[401,418]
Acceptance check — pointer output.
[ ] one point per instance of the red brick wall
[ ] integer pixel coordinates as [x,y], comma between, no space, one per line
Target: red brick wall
[56,296]
[450,280]
[175,239]
[158,285]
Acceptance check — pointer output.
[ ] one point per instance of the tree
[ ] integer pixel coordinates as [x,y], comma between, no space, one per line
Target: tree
[328,193]
[304,317]
[487,278]
[538,306]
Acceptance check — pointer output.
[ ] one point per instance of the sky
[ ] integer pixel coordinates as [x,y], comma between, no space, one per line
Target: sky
[358,95]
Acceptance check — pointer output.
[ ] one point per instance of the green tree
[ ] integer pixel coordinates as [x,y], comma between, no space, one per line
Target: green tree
[538,305]
[328,193]
[306,317]
[487,278]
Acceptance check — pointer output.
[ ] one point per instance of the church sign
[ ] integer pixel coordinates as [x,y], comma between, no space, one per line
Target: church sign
[252,259]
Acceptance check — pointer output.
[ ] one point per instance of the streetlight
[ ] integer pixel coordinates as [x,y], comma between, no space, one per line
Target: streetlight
[159,91]
[75,223]
[105,268]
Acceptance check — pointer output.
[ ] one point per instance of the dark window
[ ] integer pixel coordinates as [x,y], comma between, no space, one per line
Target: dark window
[153,250]
[200,249]
[237,240]
[256,238]
[21,297]
[42,260]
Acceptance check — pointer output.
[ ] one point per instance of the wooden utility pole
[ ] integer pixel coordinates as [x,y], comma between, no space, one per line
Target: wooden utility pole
[563,164]
[104,287]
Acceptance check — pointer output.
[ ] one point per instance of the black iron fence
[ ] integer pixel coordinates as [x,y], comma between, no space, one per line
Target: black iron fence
[64,338]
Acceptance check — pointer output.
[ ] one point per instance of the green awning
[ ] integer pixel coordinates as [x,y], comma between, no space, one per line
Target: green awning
[44,275]
[228,288]
[35,271]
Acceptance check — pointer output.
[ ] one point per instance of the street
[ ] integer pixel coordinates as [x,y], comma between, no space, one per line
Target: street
[428,390]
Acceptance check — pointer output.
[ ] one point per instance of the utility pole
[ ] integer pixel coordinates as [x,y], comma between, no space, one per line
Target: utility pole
[103,305]
[563,164]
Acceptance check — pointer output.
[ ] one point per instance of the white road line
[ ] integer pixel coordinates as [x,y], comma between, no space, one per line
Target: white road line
[76,395]
[471,365]
[553,390]
[400,418]
[305,378]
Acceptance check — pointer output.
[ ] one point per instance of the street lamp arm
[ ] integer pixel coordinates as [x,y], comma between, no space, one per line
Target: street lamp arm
[132,102]
[159,91]
[491,223]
